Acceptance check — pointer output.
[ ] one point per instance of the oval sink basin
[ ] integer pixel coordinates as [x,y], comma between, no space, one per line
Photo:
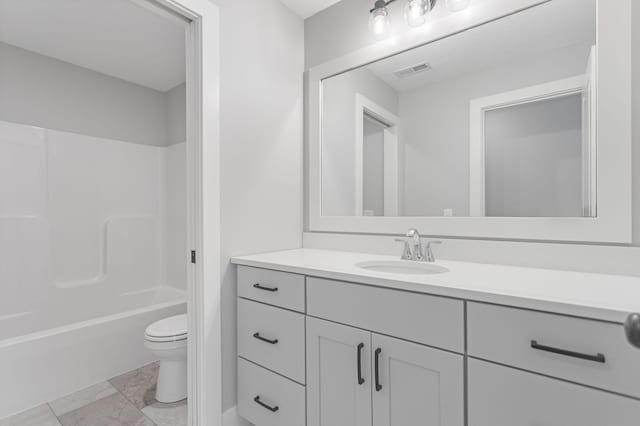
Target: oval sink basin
[402,267]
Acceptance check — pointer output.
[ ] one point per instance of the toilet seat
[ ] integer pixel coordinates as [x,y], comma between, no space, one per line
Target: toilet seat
[172,329]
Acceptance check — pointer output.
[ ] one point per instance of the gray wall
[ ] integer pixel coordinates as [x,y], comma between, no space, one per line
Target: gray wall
[373,167]
[175,101]
[261,152]
[636,121]
[338,149]
[434,128]
[45,92]
[343,28]
[533,159]
[348,32]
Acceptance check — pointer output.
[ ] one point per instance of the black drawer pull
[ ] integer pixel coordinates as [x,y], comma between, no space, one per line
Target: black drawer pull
[377,369]
[268,407]
[260,287]
[264,339]
[360,378]
[595,358]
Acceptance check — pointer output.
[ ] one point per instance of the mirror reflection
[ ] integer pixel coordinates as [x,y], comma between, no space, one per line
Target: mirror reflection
[496,121]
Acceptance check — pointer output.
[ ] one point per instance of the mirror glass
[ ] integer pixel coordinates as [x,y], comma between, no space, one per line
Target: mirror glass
[495,121]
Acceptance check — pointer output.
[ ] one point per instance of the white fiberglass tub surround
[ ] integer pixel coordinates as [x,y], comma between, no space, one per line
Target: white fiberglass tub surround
[92,250]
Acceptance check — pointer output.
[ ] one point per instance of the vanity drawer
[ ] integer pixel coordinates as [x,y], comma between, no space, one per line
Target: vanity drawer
[431,320]
[531,341]
[273,391]
[503,396]
[272,287]
[279,342]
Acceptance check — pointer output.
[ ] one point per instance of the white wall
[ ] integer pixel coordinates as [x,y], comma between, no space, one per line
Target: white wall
[261,152]
[338,126]
[45,92]
[349,33]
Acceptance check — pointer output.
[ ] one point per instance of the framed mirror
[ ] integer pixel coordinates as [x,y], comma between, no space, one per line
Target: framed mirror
[515,125]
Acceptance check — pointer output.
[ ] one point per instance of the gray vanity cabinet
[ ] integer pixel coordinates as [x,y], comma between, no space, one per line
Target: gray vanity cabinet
[338,375]
[416,385]
[579,372]
[355,377]
[271,347]
[320,352]
[502,396]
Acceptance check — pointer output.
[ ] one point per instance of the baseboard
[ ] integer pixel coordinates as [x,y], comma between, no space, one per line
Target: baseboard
[231,418]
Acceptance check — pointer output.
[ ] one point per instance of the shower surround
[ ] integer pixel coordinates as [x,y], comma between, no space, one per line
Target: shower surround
[92,249]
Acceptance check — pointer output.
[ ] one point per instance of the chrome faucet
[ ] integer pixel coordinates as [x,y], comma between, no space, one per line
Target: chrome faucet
[415,243]
[413,247]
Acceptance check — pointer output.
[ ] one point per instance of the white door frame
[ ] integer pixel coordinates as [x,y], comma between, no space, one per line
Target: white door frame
[477,110]
[364,106]
[203,204]
[590,136]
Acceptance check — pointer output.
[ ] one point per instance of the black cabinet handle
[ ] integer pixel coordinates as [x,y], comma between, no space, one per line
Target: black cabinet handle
[268,407]
[260,287]
[595,358]
[377,369]
[360,378]
[264,339]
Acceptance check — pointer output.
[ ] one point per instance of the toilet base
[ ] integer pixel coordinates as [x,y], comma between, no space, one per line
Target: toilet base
[172,381]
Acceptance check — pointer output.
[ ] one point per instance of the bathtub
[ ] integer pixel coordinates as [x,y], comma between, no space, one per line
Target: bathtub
[50,353]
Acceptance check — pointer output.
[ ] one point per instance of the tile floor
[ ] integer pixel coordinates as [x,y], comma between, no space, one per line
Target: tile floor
[126,400]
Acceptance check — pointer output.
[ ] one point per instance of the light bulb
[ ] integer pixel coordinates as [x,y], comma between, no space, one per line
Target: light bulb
[415,12]
[379,21]
[457,5]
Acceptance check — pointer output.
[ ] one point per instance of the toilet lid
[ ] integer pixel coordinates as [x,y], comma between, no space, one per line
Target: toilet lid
[168,327]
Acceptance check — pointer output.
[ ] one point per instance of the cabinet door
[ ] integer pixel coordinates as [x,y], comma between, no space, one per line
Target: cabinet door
[338,375]
[416,385]
[503,396]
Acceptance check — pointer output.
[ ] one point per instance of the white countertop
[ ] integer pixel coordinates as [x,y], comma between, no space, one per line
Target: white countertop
[598,296]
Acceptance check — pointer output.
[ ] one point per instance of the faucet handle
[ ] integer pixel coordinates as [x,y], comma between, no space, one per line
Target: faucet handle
[406,251]
[428,252]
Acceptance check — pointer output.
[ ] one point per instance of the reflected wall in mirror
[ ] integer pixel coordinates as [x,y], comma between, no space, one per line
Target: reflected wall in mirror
[498,120]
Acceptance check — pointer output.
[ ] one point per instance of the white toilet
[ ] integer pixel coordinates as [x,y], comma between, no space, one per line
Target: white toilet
[167,340]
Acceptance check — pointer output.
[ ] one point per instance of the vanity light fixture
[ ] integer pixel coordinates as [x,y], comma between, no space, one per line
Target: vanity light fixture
[415,12]
[457,5]
[379,19]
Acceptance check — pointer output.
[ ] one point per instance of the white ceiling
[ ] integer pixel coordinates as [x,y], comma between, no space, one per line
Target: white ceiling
[519,37]
[307,8]
[115,37]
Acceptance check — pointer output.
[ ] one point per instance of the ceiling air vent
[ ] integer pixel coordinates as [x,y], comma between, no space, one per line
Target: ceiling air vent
[413,70]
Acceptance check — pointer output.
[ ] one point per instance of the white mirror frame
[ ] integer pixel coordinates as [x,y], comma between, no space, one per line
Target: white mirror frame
[613,222]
